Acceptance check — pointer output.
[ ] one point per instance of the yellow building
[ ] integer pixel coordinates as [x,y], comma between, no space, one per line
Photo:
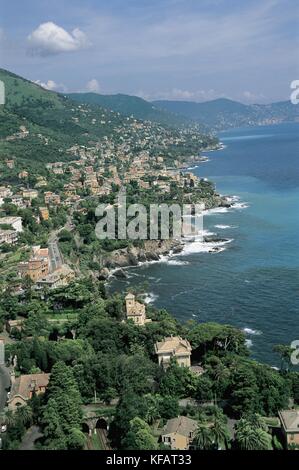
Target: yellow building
[173,347]
[135,310]
[44,213]
[178,433]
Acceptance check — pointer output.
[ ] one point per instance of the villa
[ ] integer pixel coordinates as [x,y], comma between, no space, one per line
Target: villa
[173,347]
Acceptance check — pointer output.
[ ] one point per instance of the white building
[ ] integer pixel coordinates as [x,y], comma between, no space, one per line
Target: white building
[15,222]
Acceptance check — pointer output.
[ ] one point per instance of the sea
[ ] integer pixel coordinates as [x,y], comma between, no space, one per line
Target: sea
[252,280]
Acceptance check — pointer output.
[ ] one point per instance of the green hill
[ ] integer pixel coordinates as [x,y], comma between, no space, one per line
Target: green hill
[133,106]
[53,121]
[223,113]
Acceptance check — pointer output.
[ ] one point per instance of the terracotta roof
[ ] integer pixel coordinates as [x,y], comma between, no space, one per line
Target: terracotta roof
[25,384]
[180,425]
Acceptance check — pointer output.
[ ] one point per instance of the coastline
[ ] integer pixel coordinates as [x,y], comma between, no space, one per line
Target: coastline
[168,251]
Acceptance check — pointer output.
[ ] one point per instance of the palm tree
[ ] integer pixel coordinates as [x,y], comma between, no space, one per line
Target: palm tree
[220,432]
[257,422]
[250,438]
[264,440]
[9,418]
[24,415]
[203,438]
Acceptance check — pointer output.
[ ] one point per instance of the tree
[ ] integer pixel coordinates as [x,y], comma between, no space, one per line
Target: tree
[168,406]
[129,407]
[62,414]
[139,436]
[220,433]
[250,437]
[203,438]
[24,415]
[285,353]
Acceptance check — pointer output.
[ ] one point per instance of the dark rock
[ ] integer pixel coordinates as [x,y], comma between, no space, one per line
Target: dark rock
[121,274]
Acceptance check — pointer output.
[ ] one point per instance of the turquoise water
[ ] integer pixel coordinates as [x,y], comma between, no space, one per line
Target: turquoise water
[254,282]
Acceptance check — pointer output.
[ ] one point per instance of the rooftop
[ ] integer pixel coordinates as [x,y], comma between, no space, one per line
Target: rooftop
[290,420]
[180,425]
[26,384]
[173,344]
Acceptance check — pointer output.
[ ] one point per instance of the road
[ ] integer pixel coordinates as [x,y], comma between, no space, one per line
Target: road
[4,385]
[55,256]
[32,434]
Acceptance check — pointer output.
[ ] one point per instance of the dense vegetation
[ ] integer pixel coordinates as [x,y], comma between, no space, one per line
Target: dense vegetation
[115,359]
[133,106]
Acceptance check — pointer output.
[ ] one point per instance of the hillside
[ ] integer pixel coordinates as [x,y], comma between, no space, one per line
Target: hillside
[51,122]
[223,113]
[38,126]
[133,106]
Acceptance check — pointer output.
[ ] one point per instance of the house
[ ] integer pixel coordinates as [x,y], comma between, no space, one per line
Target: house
[135,310]
[15,222]
[38,265]
[178,433]
[18,201]
[51,198]
[290,426]
[173,347]
[23,174]
[8,236]
[44,213]
[17,324]
[5,192]
[10,163]
[30,193]
[24,387]
[61,277]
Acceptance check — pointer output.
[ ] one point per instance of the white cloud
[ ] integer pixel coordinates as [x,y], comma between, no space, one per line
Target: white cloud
[49,39]
[93,86]
[253,97]
[51,85]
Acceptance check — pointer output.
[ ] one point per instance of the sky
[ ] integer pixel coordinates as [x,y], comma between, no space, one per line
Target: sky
[194,50]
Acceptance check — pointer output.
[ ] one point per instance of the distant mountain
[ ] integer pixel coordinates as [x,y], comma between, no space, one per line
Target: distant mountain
[223,113]
[133,106]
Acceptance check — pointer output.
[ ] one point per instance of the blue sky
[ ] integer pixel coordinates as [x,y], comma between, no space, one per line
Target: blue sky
[158,49]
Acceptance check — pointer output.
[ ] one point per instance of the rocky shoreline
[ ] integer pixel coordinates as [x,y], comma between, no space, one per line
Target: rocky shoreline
[117,261]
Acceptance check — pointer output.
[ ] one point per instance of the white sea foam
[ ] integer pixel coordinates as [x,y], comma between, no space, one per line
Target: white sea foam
[150,298]
[223,227]
[252,332]
[240,205]
[215,210]
[192,167]
[248,343]
[176,262]
[205,247]
[221,210]
[232,198]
